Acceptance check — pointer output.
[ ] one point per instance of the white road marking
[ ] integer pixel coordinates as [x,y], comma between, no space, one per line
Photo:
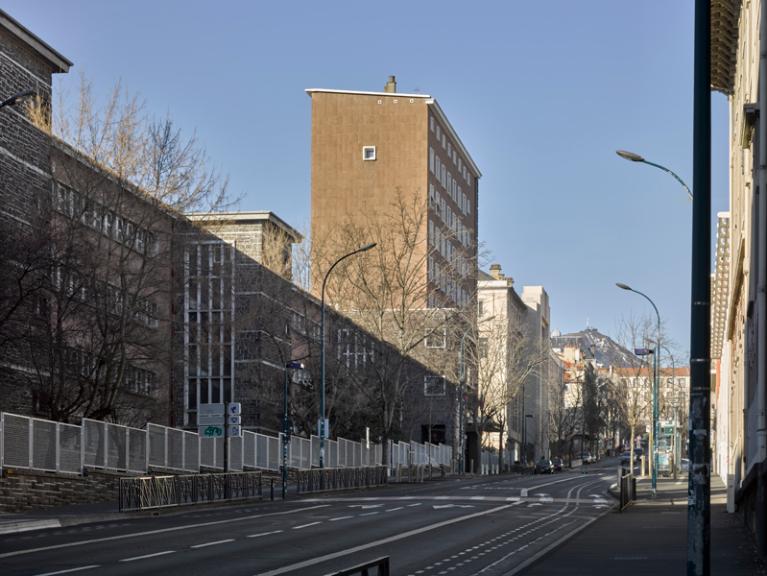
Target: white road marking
[369,514]
[382,541]
[305,525]
[70,570]
[134,558]
[416,504]
[263,534]
[158,531]
[216,543]
[393,509]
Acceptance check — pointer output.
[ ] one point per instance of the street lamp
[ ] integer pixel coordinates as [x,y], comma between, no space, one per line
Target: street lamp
[323,427]
[286,368]
[16,98]
[655,428]
[633,157]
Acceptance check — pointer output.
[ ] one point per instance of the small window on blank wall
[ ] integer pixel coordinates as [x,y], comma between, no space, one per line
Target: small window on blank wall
[368,152]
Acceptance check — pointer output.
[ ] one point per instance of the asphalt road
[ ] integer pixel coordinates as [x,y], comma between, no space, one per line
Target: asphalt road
[460,527]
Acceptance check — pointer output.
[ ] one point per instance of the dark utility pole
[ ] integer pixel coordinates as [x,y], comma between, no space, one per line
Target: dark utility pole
[699,489]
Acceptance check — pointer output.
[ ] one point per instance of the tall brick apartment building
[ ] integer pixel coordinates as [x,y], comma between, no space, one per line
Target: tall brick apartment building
[368,147]
[375,156]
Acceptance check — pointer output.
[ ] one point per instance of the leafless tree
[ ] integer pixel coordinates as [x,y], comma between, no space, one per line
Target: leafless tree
[121,180]
[386,291]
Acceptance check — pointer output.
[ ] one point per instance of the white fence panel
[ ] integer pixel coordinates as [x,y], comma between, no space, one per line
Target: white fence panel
[70,453]
[273,453]
[248,449]
[235,453]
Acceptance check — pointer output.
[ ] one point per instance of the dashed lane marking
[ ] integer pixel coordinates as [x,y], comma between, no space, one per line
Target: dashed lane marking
[70,570]
[158,531]
[337,518]
[306,525]
[263,534]
[381,542]
[134,558]
[216,543]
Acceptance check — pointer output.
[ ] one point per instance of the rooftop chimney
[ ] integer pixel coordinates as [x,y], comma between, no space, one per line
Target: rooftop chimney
[495,271]
[391,85]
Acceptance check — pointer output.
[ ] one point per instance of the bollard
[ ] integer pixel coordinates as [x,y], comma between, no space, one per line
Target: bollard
[271,489]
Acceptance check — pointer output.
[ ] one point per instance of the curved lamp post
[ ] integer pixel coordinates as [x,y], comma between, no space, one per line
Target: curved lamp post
[16,98]
[323,427]
[655,427]
[633,157]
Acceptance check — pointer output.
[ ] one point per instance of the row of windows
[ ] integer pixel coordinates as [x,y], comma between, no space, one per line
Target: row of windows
[444,279]
[103,293]
[449,183]
[441,207]
[139,381]
[109,223]
[208,260]
[451,150]
[135,380]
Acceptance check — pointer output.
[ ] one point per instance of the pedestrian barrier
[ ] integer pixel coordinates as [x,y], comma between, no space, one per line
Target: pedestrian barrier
[38,444]
[321,479]
[151,492]
[628,484]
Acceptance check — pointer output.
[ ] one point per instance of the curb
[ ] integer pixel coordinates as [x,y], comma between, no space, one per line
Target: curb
[28,526]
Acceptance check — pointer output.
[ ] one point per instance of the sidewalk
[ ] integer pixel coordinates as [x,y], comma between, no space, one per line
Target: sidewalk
[59,517]
[650,537]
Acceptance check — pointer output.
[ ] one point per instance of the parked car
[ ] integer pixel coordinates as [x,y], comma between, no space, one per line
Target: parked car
[557,463]
[543,466]
[588,458]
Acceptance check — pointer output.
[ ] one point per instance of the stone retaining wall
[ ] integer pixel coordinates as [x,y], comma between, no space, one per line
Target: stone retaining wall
[22,490]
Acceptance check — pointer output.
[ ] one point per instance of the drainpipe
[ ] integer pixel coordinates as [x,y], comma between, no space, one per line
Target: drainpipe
[761,303]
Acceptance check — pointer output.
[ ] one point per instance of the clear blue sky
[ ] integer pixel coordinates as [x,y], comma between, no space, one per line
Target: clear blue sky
[541,93]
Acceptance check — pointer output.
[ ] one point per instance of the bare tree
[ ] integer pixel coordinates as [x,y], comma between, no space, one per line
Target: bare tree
[120,181]
[505,360]
[387,292]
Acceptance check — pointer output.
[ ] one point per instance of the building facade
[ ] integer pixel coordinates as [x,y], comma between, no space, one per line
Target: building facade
[739,308]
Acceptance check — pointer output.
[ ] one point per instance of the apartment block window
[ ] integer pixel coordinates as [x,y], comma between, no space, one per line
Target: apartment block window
[480,308]
[431,159]
[368,152]
[437,338]
[434,386]
[431,123]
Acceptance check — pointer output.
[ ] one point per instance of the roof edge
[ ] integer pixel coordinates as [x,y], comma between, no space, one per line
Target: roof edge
[311,91]
[61,63]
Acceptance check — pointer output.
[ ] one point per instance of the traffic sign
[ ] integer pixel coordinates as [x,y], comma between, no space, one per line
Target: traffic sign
[233,408]
[211,431]
[234,420]
[233,431]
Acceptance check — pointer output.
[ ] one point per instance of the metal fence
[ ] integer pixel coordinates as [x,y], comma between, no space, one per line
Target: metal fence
[149,492]
[39,444]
